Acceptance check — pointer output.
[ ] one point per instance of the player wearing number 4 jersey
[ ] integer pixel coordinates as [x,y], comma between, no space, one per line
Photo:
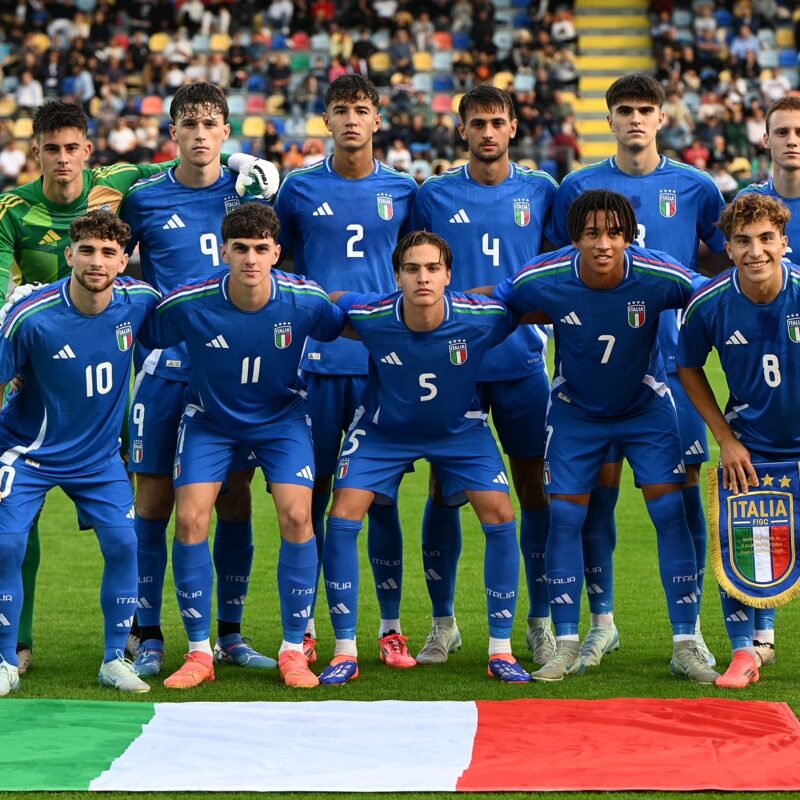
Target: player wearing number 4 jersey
[426,345]
[340,220]
[175,217]
[750,315]
[604,296]
[676,208]
[71,343]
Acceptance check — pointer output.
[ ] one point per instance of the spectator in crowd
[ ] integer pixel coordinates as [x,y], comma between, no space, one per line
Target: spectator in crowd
[12,162]
[29,93]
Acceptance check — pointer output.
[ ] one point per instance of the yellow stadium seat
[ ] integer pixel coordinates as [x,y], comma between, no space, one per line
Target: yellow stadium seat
[423,62]
[220,43]
[22,128]
[8,105]
[784,38]
[503,80]
[456,102]
[380,62]
[253,127]
[158,42]
[276,105]
[41,41]
[315,126]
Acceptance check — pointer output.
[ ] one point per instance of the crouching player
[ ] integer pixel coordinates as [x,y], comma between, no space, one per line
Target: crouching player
[71,344]
[244,328]
[747,314]
[604,295]
[426,345]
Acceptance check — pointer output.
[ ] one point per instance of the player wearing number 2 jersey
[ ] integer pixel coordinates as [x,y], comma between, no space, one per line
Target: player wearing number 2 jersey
[340,220]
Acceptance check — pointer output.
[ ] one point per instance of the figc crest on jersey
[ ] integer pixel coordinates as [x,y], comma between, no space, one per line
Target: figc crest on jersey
[283,335]
[636,314]
[458,352]
[341,469]
[124,336]
[668,204]
[385,206]
[137,451]
[522,212]
[231,202]
[793,326]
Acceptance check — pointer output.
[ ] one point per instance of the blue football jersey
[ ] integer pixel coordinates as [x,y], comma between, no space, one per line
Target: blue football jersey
[342,233]
[244,364]
[178,230]
[76,370]
[759,348]
[422,385]
[676,208]
[608,362]
[792,203]
[492,231]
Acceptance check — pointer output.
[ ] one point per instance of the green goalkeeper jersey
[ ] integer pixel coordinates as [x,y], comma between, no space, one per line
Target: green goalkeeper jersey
[34,231]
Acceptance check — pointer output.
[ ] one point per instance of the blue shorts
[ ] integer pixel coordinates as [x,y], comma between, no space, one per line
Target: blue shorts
[282,449]
[104,498]
[518,411]
[578,446]
[376,461]
[332,404]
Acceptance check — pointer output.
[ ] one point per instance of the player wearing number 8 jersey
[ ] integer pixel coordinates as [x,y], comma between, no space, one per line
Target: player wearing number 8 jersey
[340,220]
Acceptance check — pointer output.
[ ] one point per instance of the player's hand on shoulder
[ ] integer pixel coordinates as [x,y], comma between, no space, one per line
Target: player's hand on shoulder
[20,293]
[258,178]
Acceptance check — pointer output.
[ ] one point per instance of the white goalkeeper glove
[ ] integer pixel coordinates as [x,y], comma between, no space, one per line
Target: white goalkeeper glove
[257,176]
[18,294]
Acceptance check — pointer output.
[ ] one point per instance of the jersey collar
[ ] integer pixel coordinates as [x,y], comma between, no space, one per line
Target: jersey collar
[576,265]
[398,307]
[612,162]
[512,171]
[223,287]
[738,287]
[376,166]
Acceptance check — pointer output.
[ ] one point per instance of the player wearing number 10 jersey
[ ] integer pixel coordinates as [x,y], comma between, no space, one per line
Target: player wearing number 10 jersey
[340,220]
[175,218]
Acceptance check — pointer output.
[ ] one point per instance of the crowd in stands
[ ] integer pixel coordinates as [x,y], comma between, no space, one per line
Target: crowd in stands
[722,62]
[123,61]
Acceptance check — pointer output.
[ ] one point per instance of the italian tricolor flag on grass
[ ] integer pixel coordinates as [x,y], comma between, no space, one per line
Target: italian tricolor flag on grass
[340,746]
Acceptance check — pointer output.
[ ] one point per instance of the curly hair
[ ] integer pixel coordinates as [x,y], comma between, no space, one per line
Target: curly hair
[351,89]
[752,208]
[207,97]
[55,115]
[251,221]
[103,225]
[601,200]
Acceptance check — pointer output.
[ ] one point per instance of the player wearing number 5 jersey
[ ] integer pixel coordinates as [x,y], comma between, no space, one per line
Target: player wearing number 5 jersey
[71,343]
[340,220]
[175,218]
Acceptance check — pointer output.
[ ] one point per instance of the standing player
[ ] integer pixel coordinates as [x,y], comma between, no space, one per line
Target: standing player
[341,219]
[426,344]
[783,140]
[676,208]
[71,343]
[175,219]
[493,213]
[753,305]
[244,329]
[604,297]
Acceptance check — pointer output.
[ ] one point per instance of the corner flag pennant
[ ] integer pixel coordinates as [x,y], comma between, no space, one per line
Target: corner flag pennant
[754,536]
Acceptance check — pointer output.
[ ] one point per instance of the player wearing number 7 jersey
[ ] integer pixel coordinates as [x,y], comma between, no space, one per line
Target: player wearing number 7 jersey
[340,220]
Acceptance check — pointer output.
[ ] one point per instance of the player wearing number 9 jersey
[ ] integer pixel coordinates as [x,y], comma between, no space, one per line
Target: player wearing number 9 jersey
[676,208]
[175,219]
[340,221]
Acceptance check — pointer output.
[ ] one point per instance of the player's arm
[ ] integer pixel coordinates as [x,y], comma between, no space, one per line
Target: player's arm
[737,469]
[7,241]
[162,327]
[343,301]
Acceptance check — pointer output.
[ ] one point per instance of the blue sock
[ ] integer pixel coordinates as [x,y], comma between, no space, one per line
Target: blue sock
[765,619]
[151,554]
[12,552]
[564,563]
[194,582]
[341,575]
[385,550]
[118,590]
[501,577]
[696,519]
[319,504]
[599,540]
[233,561]
[297,575]
[533,529]
[738,621]
[441,548]
[676,560]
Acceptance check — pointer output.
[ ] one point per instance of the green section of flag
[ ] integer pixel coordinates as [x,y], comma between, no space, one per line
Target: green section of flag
[60,745]
[743,551]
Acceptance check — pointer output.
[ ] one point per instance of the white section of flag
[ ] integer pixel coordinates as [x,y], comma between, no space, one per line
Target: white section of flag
[266,746]
[761,553]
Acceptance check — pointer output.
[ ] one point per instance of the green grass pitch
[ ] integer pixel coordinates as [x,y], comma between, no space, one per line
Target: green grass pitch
[68,627]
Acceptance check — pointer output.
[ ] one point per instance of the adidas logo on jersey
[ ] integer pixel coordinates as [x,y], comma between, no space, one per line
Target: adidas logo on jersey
[191,613]
[501,479]
[305,473]
[696,449]
[65,352]
[687,599]
[392,358]
[339,608]
[236,601]
[561,600]
[387,585]
[323,211]
[571,319]
[736,338]
[504,614]
[142,603]
[432,575]
[680,469]
[460,216]
[51,237]
[173,222]
[304,613]
[593,588]
[737,616]
[126,623]
[4,620]
[218,342]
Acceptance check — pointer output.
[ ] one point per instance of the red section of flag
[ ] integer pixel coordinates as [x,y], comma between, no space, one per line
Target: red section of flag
[781,550]
[612,745]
